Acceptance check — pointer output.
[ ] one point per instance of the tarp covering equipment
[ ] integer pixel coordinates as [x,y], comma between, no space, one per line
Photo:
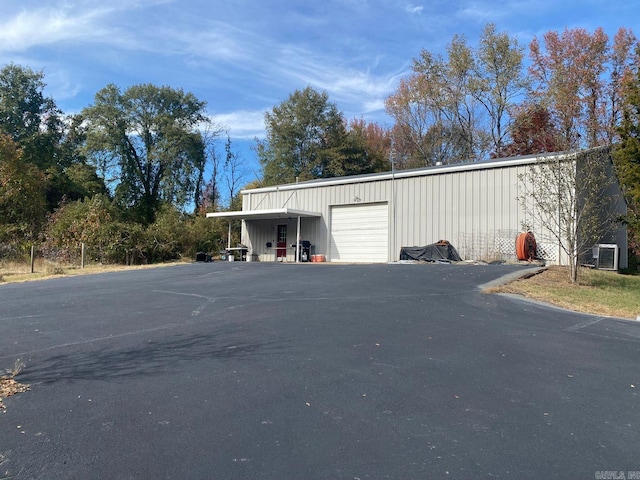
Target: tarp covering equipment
[436,252]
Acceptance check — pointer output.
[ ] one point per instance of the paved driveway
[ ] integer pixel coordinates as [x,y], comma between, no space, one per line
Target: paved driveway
[311,371]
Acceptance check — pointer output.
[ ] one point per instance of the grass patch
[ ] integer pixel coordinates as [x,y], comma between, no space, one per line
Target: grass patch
[598,292]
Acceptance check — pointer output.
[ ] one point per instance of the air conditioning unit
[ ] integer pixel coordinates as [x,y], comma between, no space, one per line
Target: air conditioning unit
[606,256]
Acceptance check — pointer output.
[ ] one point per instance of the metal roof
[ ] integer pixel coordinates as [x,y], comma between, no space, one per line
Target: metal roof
[424,171]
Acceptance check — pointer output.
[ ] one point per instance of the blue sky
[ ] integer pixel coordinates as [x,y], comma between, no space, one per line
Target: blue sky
[243,57]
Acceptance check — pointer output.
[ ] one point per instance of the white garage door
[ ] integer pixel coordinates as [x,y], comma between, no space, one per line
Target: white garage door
[360,233]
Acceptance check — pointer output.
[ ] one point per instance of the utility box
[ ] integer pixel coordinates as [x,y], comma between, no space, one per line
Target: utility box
[606,256]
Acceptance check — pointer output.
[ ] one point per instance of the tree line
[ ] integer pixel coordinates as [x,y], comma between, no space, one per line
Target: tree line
[127,173]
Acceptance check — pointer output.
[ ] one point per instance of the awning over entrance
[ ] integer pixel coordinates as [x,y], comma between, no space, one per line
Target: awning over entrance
[268,214]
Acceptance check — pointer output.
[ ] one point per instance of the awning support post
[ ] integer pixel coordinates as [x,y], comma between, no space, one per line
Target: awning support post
[229,236]
[298,242]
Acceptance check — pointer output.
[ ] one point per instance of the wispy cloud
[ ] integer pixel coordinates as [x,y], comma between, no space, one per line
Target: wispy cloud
[353,85]
[242,124]
[89,21]
[45,26]
[414,9]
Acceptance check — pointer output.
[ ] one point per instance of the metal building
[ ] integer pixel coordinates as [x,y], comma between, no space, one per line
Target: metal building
[369,218]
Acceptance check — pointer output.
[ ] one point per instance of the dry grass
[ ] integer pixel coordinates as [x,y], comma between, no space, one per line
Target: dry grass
[597,292]
[12,272]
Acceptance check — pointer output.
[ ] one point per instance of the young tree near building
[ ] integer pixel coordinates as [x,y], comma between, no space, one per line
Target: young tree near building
[148,139]
[569,198]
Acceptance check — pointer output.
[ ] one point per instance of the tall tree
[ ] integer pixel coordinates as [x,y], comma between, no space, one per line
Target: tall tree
[305,139]
[147,139]
[234,170]
[499,81]
[627,155]
[48,140]
[622,58]
[23,106]
[440,107]
[433,123]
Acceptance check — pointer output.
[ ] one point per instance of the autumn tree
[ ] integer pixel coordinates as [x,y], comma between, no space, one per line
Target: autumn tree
[420,132]
[568,71]
[376,142]
[440,107]
[147,140]
[234,170]
[533,131]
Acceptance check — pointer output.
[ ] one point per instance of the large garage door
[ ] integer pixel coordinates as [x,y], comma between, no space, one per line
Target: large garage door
[360,233]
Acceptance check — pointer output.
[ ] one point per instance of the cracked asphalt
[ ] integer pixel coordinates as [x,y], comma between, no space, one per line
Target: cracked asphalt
[231,370]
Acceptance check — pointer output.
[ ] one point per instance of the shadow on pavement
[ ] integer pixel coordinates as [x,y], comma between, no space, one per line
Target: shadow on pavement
[154,357]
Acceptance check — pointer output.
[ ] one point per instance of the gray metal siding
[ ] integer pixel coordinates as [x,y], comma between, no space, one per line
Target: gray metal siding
[468,208]
[476,209]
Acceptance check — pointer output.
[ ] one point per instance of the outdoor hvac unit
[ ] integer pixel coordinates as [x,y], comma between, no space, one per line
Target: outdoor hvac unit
[606,256]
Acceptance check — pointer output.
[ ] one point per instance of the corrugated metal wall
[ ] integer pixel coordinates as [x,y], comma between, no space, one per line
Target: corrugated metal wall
[476,210]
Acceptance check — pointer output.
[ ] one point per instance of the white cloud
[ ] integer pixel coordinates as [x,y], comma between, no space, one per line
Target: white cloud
[414,9]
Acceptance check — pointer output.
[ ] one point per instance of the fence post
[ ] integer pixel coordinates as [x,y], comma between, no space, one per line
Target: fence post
[82,261]
[33,258]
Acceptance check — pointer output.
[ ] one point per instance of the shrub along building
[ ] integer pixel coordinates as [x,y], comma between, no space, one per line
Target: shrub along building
[478,207]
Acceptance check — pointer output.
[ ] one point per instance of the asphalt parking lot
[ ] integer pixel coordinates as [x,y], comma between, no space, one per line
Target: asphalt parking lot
[231,370]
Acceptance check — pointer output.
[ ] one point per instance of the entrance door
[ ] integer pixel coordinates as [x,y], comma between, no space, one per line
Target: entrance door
[281,250]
